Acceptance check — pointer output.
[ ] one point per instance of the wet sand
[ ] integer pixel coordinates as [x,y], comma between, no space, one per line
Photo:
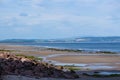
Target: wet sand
[31,50]
[76,57]
[87,59]
[91,62]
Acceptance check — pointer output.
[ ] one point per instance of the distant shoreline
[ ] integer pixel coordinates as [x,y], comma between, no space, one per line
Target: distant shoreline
[63,49]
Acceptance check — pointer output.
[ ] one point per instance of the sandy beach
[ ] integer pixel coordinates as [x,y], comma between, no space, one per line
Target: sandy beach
[66,57]
[93,62]
[112,60]
[87,59]
[30,50]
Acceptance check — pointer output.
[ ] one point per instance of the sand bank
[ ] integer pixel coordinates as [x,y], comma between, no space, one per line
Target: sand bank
[93,60]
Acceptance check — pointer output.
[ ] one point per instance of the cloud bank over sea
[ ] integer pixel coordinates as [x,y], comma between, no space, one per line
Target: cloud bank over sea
[45,18]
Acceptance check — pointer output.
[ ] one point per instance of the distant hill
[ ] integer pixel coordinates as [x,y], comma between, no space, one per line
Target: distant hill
[79,39]
[98,39]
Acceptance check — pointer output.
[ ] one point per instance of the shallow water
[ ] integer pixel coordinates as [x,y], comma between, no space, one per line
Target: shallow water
[108,73]
[92,66]
[113,47]
[71,64]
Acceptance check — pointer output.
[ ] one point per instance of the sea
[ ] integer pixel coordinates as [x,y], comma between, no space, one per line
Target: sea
[112,47]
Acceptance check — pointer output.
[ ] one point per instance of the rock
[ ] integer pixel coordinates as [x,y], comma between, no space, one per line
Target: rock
[0,70]
[17,71]
[25,59]
[11,64]
[28,72]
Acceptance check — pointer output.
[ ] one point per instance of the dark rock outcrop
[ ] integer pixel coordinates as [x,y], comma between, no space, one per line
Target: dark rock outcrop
[11,64]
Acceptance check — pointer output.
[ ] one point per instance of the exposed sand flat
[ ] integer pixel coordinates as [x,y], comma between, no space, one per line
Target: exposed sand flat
[39,51]
[93,62]
[87,59]
[82,58]
[30,50]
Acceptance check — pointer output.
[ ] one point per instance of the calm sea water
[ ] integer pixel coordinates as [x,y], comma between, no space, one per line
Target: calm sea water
[113,47]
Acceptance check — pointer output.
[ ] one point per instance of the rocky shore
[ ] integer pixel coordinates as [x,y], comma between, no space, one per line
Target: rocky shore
[18,65]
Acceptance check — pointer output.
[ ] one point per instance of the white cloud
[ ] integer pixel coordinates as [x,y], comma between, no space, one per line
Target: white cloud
[22,30]
[79,15]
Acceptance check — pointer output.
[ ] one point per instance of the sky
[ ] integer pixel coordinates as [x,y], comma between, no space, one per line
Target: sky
[50,19]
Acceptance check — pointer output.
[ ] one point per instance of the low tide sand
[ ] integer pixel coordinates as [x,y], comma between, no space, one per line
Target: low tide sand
[30,50]
[87,59]
[112,60]
[38,51]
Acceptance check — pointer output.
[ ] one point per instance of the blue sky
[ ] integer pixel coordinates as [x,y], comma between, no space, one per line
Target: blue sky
[43,19]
